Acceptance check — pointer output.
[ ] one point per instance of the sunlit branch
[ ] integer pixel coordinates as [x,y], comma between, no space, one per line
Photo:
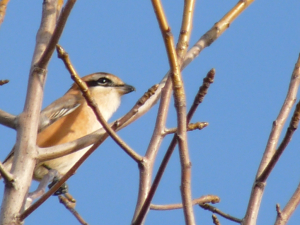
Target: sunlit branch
[180,105]
[190,127]
[162,167]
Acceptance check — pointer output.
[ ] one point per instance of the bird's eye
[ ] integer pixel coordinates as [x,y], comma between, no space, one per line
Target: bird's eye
[103,80]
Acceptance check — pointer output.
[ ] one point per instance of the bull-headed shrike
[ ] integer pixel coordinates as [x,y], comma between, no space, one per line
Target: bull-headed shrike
[71,118]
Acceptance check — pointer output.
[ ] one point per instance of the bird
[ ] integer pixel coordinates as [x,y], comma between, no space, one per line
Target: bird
[69,118]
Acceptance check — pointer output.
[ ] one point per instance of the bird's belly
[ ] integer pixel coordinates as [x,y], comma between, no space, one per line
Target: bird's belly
[62,164]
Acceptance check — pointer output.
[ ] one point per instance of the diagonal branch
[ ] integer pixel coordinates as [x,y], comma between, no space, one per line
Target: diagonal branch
[258,187]
[180,105]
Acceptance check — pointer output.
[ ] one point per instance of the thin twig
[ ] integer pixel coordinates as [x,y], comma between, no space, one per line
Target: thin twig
[284,215]
[71,207]
[7,176]
[202,200]
[216,31]
[64,15]
[215,219]
[170,150]
[190,127]
[217,211]
[258,187]
[207,81]
[286,140]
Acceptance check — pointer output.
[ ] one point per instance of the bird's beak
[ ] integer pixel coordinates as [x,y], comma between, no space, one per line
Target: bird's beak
[125,89]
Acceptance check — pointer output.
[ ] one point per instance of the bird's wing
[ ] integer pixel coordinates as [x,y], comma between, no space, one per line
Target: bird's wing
[58,109]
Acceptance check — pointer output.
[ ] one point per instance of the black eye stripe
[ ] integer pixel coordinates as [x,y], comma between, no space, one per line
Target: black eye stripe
[103,81]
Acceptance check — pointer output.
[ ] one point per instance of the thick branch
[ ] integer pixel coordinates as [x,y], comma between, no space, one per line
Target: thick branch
[25,151]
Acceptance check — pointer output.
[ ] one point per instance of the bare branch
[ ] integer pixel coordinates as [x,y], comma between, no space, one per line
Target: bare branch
[286,140]
[215,32]
[167,156]
[64,15]
[284,215]
[202,200]
[190,127]
[71,207]
[25,148]
[209,79]
[7,119]
[258,188]
[215,220]
[217,211]
[8,177]
[180,105]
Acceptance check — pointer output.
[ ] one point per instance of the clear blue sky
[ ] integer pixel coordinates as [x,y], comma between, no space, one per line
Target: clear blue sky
[253,59]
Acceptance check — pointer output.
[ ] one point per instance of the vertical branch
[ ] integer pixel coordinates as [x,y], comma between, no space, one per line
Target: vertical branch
[3,5]
[25,151]
[180,105]
[144,199]
[258,187]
